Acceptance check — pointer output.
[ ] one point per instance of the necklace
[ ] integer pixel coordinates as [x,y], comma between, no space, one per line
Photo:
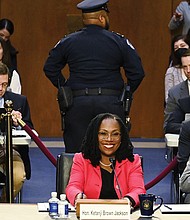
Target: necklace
[106,165]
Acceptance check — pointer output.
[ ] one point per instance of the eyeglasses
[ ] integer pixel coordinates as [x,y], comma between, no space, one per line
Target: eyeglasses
[4,85]
[105,135]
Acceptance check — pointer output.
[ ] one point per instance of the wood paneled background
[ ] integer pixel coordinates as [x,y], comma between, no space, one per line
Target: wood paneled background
[39,24]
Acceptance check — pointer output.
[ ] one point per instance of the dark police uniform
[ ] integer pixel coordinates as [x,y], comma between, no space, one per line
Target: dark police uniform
[94,56]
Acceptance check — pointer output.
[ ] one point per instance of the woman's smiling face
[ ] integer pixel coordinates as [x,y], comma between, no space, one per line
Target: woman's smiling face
[109,137]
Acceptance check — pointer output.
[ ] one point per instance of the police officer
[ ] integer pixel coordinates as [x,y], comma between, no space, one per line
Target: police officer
[94,56]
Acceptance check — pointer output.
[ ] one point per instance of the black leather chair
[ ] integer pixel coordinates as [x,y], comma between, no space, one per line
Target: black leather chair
[64,164]
[23,150]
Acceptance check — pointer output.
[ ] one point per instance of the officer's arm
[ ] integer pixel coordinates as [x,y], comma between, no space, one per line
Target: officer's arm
[132,66]
[54,64]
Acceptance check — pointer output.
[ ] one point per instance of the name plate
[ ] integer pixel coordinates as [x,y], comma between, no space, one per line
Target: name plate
[106,209]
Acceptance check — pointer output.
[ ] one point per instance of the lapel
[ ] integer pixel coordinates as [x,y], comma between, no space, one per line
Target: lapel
[17,104]
[118,167]
[184,90]
[7,96]
[185,104]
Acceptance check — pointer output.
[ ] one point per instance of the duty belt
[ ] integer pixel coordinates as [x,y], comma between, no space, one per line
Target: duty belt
[96,91]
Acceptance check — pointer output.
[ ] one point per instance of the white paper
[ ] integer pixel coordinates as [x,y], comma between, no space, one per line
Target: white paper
[175,208]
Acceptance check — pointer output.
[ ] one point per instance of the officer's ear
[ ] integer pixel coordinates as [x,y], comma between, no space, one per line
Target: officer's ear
[101,18]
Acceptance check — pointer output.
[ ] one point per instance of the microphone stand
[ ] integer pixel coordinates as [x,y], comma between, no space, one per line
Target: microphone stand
[112,166]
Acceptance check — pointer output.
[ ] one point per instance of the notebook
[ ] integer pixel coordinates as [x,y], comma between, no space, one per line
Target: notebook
[175,209]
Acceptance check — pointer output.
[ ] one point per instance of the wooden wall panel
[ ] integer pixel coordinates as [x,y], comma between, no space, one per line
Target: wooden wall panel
[40,24]
[175,3]
[145,24]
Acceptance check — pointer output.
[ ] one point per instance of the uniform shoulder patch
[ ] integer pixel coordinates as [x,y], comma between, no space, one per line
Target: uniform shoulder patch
[129,43]
[120,35]
[66,35]
[57,43]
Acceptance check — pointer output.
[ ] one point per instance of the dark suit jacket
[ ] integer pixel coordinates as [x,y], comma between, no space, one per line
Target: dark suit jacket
[174,94]
[178,116]
[183,147]
[20,104]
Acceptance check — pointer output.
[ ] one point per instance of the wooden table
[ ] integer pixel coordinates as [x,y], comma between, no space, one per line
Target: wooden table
[30,212]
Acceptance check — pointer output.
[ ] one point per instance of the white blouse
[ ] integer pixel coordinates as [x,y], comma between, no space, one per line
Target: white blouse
[15,85]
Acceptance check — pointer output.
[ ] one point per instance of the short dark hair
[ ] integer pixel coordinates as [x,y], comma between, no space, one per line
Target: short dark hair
[176,60]
[90,144]
[7,24]
[4,70]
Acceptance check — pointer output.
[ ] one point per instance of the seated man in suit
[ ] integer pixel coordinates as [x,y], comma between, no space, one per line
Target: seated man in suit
[178,116]
[177,92]
[184,146]
[184,182]
[173,123]
[177,123]
[20,110]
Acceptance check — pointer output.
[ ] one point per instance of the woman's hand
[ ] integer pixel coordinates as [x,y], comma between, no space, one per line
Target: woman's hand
[128,200]
[80,196]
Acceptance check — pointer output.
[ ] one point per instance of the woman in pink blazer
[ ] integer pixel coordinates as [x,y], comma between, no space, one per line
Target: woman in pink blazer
[106,147]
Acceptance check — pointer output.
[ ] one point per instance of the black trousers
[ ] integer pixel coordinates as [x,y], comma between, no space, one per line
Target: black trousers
[83,110]
[23,150]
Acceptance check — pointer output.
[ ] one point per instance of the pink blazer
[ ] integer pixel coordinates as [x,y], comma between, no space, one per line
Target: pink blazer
[87,179]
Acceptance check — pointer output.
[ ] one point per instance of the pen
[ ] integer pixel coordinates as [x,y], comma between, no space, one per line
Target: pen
[82,195]
[132,209]
[167,207]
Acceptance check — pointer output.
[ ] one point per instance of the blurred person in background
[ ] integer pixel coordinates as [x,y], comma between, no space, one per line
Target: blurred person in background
[175,74]
[6,31]
[14,80]
[181,17]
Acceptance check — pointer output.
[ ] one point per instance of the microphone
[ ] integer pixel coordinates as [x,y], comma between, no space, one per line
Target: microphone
[112,161]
